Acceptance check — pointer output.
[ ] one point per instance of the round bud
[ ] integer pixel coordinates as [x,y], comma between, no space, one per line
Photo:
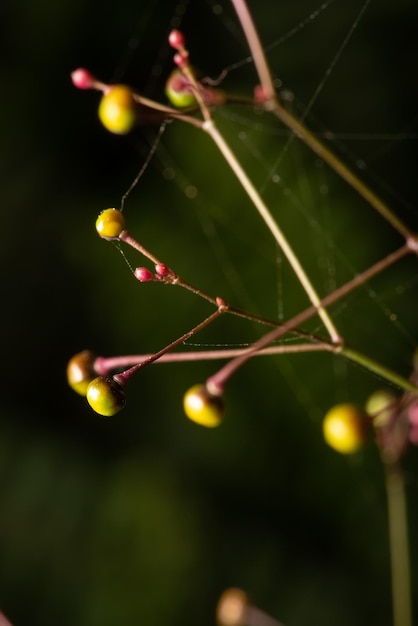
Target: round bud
[117,109]
[203,407]
[259,94]
[180,60]
[80,371]
[161,269]
[110,223]
[344,428]
[176,39]
[143,275]
[105,396]
[231,608]
[380,406]
[178,90]
[82,79]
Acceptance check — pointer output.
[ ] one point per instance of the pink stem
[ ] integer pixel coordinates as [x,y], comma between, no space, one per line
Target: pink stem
[104,365]
[257,52]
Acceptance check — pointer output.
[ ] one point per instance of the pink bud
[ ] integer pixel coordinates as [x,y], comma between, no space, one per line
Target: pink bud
[259,94]
[162,270]
[82,79]
[214,97]
[180,60]
[221,302]
[143,275]
[413,414]
[176,39]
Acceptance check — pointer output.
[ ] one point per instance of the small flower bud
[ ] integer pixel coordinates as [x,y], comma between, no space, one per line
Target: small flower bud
[221,303]
[82,79]
[143,275]
[259,94]
[176,39]
[162,269]
[180,60]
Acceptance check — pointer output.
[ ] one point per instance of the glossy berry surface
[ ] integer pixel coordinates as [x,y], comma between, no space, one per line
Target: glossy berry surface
[80,371]
[202,407]
[381,406]
[178,90]
[110,223]
[344,428]
[117,110]
[105,396]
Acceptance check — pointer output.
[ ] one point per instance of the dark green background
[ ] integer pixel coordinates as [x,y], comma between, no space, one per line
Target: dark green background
[145,518]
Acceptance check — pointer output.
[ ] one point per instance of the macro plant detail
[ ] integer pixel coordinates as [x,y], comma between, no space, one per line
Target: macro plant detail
[388,418]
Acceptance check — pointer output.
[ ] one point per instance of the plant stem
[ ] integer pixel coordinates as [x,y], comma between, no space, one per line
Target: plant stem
[257,51]
[399,548]
[210,127]
[339,167]
[219,379]
[104,365]
[377,368]
[124,377]
[299,129]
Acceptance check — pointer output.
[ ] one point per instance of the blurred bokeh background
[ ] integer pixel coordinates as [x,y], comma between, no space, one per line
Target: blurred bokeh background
[147,518]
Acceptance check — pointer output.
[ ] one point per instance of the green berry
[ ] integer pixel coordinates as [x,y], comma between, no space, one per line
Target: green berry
[110,223]
[117,109]
[203,407]
[178,90]
[380,406]
[105,396]
[80,371]
[344,428]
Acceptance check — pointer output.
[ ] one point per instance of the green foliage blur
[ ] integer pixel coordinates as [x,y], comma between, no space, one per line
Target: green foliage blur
[146,518]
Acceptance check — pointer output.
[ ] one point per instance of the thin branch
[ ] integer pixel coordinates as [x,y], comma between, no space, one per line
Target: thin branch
[104,365]
[399,548]
[210,127]
[299,129]
[339,167]
[219,379]
[257,50]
